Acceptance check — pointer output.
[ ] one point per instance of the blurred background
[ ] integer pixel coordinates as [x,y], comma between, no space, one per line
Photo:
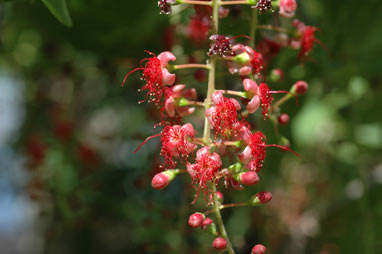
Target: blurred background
[70,183]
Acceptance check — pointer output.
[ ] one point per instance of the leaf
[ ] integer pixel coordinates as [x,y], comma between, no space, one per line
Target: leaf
[60,10]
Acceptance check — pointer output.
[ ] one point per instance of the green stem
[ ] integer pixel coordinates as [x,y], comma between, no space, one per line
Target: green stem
[253,27]
[188,66]
[220,223]
[207,127]
[280,102]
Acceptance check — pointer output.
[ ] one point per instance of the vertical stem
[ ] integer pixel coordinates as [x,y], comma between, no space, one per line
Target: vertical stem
[253,26]
[207,127]
[220,223]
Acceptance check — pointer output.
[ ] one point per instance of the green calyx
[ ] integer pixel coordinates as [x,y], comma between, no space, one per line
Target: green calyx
[182,102]
[171,173]
[242,58]
[254,201]
[235,168]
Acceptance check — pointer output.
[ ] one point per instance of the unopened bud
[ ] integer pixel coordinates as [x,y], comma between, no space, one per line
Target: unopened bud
[219,243]
[259,249]
[248,178]
[300,87]
[283,119]
[260,198]
[196,220]
[162,179]
[219,196]
[277,75]
[209,226]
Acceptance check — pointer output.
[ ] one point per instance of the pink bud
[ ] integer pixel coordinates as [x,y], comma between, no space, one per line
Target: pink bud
[162,179]
[206,222]
[277,75]
[264,197]
[287,8]
[283,119]
[196,220]
[301,87]
[219,243]
[219,196]
[259,249]
[249,178]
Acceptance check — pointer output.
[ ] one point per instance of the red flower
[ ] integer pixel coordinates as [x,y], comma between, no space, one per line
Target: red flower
[165,6]
[254,153]
[266,99]
[223,114]
[263,5]
[156,75]
[205,169]
[220,45]
[177,142]
[198,29]
[307,38]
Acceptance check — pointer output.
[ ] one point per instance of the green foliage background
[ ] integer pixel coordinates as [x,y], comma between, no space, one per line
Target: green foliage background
[108,206]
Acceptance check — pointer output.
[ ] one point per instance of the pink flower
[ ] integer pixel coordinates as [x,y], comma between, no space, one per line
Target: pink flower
[223,114]
[252,90]
[287,8]
[177,142]
[205,169]
[156,75]
[175,93]
[251,61]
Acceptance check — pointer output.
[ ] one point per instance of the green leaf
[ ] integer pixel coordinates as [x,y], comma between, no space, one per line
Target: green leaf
[60,10]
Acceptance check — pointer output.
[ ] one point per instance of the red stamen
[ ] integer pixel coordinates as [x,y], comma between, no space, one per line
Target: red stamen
[124,80]
[285,148]
[147,139]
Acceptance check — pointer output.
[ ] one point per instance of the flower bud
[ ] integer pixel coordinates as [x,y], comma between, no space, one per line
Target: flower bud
[283,119]
[196,220]
[219,244]
[162,179]
[259,249]
[287,8]
[219,196]
[277,75]
[248,178]
[300,87]
[260,198]
[209,226]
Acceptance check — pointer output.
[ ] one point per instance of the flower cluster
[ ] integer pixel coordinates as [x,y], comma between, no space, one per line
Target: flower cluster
[230,148]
